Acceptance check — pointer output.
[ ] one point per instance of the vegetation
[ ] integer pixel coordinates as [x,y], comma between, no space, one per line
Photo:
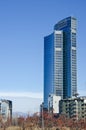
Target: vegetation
[44,122]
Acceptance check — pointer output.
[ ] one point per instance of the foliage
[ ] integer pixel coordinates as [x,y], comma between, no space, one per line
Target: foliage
[50,122]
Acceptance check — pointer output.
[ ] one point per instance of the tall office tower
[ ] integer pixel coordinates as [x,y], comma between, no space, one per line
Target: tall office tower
[60,74]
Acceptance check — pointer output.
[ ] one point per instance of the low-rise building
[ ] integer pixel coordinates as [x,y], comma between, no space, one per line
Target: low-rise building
[53,104]
[5,109]
[73,107]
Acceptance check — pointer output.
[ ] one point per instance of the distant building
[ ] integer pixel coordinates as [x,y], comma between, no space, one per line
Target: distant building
[60,68]
[5,109]
[53,104]
[42,109]
[73,107]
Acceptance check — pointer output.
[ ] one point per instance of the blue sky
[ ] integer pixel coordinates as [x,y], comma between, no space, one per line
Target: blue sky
[23,24]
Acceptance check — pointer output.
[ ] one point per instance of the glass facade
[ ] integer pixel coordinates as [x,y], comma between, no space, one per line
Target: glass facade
[68,26]
[6,109]
[48,67]
[60,71]
[58,63]
[53,65]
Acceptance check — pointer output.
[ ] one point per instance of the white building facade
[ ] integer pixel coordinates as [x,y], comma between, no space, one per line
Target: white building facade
[53,104]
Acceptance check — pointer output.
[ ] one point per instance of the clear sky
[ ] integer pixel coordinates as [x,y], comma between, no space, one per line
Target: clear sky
[23,25]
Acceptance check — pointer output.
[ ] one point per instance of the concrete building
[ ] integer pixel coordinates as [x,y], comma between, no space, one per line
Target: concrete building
[6,109]
[53,104]
[73,107]
[60,71]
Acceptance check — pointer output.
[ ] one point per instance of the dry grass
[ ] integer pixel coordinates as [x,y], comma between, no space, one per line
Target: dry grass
[18,128]
[12,128]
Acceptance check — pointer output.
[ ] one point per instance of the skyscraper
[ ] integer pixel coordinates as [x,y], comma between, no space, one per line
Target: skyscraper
[60,71]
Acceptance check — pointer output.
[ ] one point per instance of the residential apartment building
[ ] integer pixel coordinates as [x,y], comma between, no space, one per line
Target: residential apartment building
[73,107]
